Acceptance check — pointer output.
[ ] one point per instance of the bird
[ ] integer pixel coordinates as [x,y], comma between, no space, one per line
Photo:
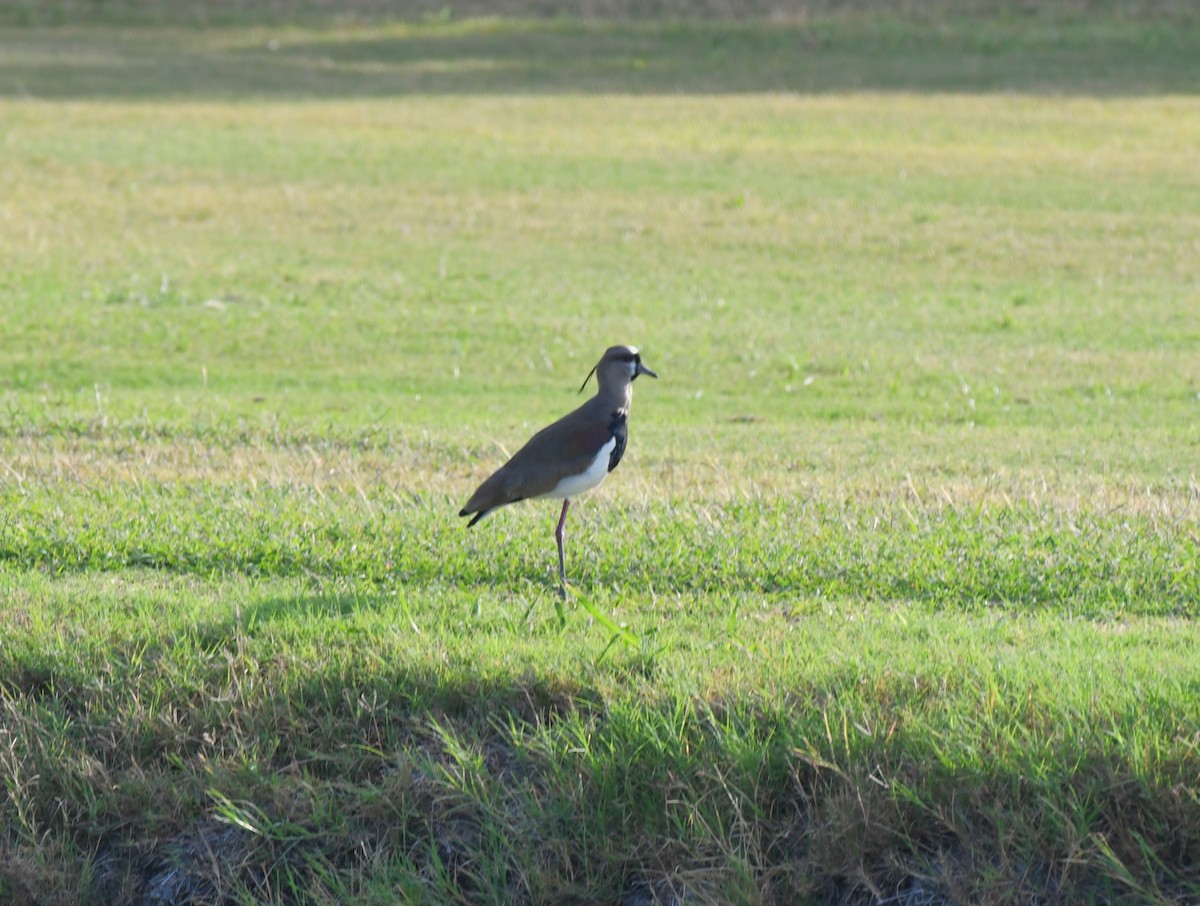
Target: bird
[572,455]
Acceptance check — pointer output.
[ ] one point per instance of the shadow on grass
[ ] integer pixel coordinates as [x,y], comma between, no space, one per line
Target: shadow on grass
[1100,55]
[544,785]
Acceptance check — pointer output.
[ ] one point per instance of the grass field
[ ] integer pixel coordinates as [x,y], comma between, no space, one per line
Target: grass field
[893,598]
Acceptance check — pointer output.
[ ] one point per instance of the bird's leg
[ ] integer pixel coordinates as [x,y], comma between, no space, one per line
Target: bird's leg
[562,560]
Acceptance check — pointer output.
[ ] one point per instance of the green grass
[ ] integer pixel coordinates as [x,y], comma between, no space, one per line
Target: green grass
[893,597]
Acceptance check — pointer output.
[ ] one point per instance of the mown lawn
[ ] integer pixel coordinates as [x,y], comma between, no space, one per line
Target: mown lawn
[893,598]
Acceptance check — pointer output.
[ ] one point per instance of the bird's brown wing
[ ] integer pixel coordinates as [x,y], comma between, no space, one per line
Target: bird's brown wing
[566,447]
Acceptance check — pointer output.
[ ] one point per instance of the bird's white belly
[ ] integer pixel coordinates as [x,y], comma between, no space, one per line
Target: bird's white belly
[586,480]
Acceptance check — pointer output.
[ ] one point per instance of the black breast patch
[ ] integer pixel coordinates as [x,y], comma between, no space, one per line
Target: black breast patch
[620,432]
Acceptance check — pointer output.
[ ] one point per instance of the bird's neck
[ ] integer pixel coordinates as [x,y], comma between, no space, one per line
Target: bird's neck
[616,399]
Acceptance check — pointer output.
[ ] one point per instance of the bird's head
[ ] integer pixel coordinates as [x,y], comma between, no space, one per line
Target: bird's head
[619,366]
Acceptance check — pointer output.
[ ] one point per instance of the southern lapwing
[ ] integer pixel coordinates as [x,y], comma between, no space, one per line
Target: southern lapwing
[572,455]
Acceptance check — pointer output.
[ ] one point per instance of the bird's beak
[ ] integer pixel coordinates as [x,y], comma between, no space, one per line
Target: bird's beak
[642,369]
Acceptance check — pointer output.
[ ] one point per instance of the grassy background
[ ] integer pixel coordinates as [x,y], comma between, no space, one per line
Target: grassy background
[893,596]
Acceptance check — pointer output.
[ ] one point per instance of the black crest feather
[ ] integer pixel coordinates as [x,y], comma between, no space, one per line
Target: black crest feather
[588,378]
